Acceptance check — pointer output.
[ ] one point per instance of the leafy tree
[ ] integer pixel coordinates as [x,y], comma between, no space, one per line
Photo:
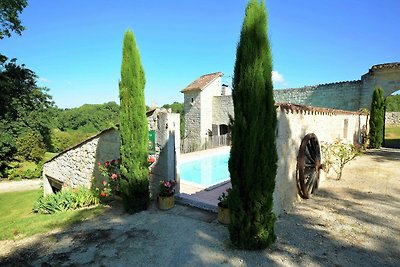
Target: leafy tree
[133,128]
[23,108]
[377,119]
[393,103]
[253,158]
[9,17]
[88,118]
[30,146]
[177,107]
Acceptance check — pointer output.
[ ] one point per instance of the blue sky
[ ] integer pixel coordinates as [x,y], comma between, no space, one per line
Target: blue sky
[75,47]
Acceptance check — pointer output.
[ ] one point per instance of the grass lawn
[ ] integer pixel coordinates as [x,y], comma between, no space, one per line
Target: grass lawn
[392,136]
[17,220]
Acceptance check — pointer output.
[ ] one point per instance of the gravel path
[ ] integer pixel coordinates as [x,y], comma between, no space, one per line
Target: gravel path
[352,222]
[13,186]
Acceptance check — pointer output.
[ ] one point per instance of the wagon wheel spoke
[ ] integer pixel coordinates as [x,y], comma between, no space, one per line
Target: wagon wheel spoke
[308,165]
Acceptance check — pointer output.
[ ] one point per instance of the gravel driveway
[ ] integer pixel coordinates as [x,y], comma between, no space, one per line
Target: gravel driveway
[352,222]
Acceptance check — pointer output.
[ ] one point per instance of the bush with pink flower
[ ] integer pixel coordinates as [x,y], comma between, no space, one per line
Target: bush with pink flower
[110,184]
[167,188]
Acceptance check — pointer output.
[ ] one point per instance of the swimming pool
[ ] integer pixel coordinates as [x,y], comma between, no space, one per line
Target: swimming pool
[206,171]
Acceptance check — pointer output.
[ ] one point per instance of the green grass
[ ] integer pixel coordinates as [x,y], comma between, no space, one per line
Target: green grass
[392,132]
[49,156]
[17,220]
[392,136]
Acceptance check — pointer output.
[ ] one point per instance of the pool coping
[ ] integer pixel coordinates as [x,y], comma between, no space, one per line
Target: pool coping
[203,197]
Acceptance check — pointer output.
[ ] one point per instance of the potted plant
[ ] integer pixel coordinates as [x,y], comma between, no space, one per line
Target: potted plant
[223,208]
[165,198]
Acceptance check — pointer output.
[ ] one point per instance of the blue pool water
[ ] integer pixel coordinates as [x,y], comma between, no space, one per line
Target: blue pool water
[206,171]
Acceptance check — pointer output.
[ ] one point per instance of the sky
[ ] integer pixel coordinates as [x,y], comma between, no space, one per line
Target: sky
[75,47]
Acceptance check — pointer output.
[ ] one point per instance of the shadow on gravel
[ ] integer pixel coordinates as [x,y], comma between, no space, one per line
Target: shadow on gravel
[327,230]
[384,154]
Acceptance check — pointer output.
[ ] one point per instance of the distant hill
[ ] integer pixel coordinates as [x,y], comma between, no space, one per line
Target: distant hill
[88,118]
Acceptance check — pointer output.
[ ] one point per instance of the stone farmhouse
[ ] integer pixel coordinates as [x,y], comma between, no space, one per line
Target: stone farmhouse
[208,103]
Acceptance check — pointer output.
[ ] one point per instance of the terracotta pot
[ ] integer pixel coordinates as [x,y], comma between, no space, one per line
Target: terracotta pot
[223,215]
[166,203]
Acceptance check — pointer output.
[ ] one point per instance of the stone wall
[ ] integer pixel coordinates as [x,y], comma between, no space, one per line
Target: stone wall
[192,110]
[386,76]
[77,166]
[222,107]
[341,95]
[392,118]
[294,122]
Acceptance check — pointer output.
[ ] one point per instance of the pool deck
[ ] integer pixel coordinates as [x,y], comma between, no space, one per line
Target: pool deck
[197,196]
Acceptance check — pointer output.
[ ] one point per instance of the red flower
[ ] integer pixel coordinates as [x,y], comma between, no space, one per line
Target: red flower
[106,163]
[113,161]
[104,182]
[103,194]
[114,176]
[99,163]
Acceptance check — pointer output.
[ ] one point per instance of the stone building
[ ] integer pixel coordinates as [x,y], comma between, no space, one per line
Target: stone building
[77,166]
[208,104]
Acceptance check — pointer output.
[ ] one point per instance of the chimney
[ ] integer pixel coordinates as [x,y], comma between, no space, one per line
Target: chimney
[224,89]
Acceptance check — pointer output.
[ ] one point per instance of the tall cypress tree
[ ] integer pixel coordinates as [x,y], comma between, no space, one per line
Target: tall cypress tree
[377,119]
[134,130]
[253,157]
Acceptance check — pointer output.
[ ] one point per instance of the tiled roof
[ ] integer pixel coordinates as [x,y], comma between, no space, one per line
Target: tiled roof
[202,82]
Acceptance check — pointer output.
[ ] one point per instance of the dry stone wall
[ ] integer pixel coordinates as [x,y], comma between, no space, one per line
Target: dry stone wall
[392,118]
[78,165]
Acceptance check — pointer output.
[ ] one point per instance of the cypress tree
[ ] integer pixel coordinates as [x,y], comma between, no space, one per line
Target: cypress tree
[134,181]
[377,119]
[252,163]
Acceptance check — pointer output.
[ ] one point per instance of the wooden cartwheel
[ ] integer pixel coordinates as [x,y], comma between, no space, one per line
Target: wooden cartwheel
[308,166]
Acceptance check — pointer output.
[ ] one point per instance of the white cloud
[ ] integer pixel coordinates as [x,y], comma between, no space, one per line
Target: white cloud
[44,80]
[277,78]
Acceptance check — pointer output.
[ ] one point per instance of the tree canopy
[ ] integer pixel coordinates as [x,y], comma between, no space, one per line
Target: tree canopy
[23,110]
[393,103]
[9,17]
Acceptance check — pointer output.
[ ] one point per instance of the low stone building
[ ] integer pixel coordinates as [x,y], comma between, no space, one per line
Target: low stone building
[78,166]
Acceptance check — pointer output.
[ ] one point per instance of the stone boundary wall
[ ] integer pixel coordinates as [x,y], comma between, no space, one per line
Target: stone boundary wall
[294,122]
[77,166]
[340,95]
[392,118]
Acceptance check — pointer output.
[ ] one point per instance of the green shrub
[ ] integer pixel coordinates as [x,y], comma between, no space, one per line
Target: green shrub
[64,200]
[337,155]
[30,146]
[377,119]
[24,170]
[63,140]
